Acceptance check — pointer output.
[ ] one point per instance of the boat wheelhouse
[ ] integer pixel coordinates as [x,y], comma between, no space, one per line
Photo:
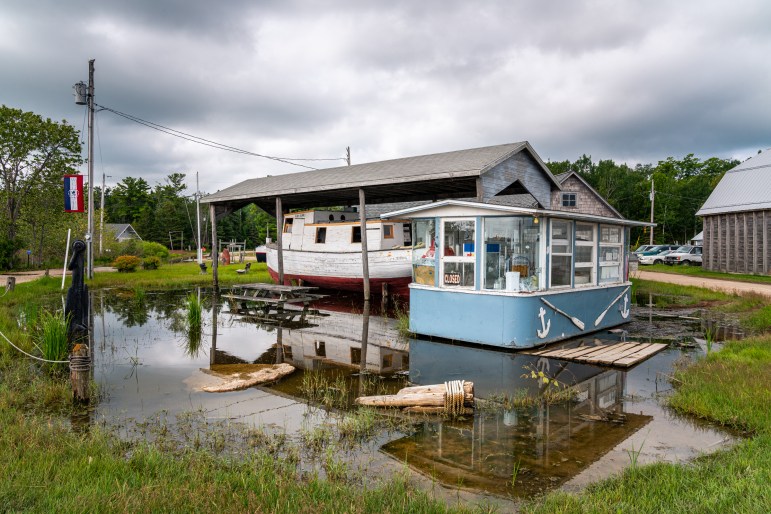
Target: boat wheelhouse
[323,248]
[516,277]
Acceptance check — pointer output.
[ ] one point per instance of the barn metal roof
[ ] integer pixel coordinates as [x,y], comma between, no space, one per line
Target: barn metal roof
[747,187]
[425,177]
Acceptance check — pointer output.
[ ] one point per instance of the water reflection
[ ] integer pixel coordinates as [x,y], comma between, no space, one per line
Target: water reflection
[145,363]
[545,444]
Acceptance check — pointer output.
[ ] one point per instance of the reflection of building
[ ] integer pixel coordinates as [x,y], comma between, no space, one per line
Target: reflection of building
[546,444]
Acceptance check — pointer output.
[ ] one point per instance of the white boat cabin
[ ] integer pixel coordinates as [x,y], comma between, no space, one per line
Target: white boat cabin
[335,231]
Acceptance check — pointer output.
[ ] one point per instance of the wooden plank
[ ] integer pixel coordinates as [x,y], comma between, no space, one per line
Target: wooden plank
[575,352]
[639,356]
[600,350]
[616,353]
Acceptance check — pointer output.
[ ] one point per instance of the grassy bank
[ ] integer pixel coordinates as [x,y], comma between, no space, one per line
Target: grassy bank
[731,387]
[698,271]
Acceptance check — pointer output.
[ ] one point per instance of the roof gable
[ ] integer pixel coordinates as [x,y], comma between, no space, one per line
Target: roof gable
[573,182]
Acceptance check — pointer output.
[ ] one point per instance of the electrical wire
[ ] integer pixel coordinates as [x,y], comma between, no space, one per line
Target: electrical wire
[207,142]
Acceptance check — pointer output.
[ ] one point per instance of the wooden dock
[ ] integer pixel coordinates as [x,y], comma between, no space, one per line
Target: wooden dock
[622,355]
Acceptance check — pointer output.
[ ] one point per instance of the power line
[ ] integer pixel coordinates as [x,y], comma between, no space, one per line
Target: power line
[207,142]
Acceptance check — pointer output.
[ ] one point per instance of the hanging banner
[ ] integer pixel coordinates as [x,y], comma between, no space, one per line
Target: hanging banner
[73,193]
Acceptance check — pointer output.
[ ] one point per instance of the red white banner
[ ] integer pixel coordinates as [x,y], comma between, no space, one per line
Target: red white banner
[73,193]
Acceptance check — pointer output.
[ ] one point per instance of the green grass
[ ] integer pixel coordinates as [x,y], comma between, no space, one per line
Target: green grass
[183,274]
[698,271]
[51,335]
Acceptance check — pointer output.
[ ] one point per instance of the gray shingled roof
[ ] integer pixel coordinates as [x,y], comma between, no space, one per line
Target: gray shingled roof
[747,187]
[525,201]
[425,177]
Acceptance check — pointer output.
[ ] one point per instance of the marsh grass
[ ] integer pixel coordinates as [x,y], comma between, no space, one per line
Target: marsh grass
[325,389]
[51,336]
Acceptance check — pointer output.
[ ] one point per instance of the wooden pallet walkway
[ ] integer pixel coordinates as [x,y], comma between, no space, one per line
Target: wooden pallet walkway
[621,355]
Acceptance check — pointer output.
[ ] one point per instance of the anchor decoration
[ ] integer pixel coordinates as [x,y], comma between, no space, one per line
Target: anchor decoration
[545,324]
[625,309]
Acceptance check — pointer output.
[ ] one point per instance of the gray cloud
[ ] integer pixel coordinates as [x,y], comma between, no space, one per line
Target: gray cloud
[631,81]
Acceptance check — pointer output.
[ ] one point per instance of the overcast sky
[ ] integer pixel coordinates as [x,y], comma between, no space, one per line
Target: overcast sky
[632,81]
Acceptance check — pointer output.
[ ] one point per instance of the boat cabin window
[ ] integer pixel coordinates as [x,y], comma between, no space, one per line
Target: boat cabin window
[356,234]
[388,231]
[424,252]
[321,235]
[511,253]
[288,225]
[610,253]
[458,253]
[561,253]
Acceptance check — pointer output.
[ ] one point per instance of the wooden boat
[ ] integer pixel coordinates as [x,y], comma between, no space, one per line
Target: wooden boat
[323,249]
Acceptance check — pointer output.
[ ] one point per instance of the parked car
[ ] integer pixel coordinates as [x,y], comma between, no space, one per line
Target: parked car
[685,255]
[654,259]
[642,248]
[655,255]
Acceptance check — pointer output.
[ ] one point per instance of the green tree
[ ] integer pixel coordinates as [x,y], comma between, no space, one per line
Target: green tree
[34,154]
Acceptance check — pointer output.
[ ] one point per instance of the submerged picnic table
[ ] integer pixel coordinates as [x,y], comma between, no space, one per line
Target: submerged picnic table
[269,300]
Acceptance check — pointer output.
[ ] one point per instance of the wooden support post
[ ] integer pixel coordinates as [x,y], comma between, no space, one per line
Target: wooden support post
[80,372]
[480,190]
[384,292]
[364,253]
[215,251]
[280,239]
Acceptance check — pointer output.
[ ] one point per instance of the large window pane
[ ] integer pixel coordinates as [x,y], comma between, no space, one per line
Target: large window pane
[459,274]
[459,253]
[561,267]
[424,252]
[610,254]
[511,244]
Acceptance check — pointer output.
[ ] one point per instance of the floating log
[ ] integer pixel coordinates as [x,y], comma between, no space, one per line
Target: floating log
[456,397]
[246,380]
[435,410]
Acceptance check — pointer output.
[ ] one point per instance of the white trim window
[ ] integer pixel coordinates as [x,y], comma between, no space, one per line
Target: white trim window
[561,242]
[569,199]
[458,253]
[611,254]
[586,261]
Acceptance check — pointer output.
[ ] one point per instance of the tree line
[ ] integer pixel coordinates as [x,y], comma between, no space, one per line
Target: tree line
[35,153]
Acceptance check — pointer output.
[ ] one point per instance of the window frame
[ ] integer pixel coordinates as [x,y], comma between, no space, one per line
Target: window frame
[388,231]
[463,260]
[591,265]
[607,245]
[321,235]
[353,234]
[568,244]
[570,199]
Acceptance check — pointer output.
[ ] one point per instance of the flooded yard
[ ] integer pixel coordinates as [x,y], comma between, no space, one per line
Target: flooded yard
[149,367]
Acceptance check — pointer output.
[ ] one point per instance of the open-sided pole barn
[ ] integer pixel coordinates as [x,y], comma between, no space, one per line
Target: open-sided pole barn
[480,173]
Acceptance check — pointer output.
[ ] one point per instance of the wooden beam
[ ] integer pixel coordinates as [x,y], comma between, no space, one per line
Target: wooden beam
[364,253]
[215,247]
[280,239]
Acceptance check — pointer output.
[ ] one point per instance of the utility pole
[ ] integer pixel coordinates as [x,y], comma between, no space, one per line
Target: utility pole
[653,198]
[90,230]
[198,217]
[348,155]
[101,215]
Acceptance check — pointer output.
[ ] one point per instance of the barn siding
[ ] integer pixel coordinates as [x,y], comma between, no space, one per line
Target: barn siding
[737,242]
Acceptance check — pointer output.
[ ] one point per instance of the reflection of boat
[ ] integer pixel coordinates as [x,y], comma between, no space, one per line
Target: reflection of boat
[336,339]
[542,446]
[323,249]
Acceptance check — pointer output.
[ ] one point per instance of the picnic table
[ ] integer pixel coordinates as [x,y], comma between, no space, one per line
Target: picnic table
[269,300]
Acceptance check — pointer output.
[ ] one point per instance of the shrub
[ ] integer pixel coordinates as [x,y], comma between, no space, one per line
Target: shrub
[151,262]
[150,249]
[127,263]
[130,247]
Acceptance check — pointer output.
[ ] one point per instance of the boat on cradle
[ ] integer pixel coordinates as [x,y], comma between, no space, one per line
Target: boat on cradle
[517,277]
[323,248]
